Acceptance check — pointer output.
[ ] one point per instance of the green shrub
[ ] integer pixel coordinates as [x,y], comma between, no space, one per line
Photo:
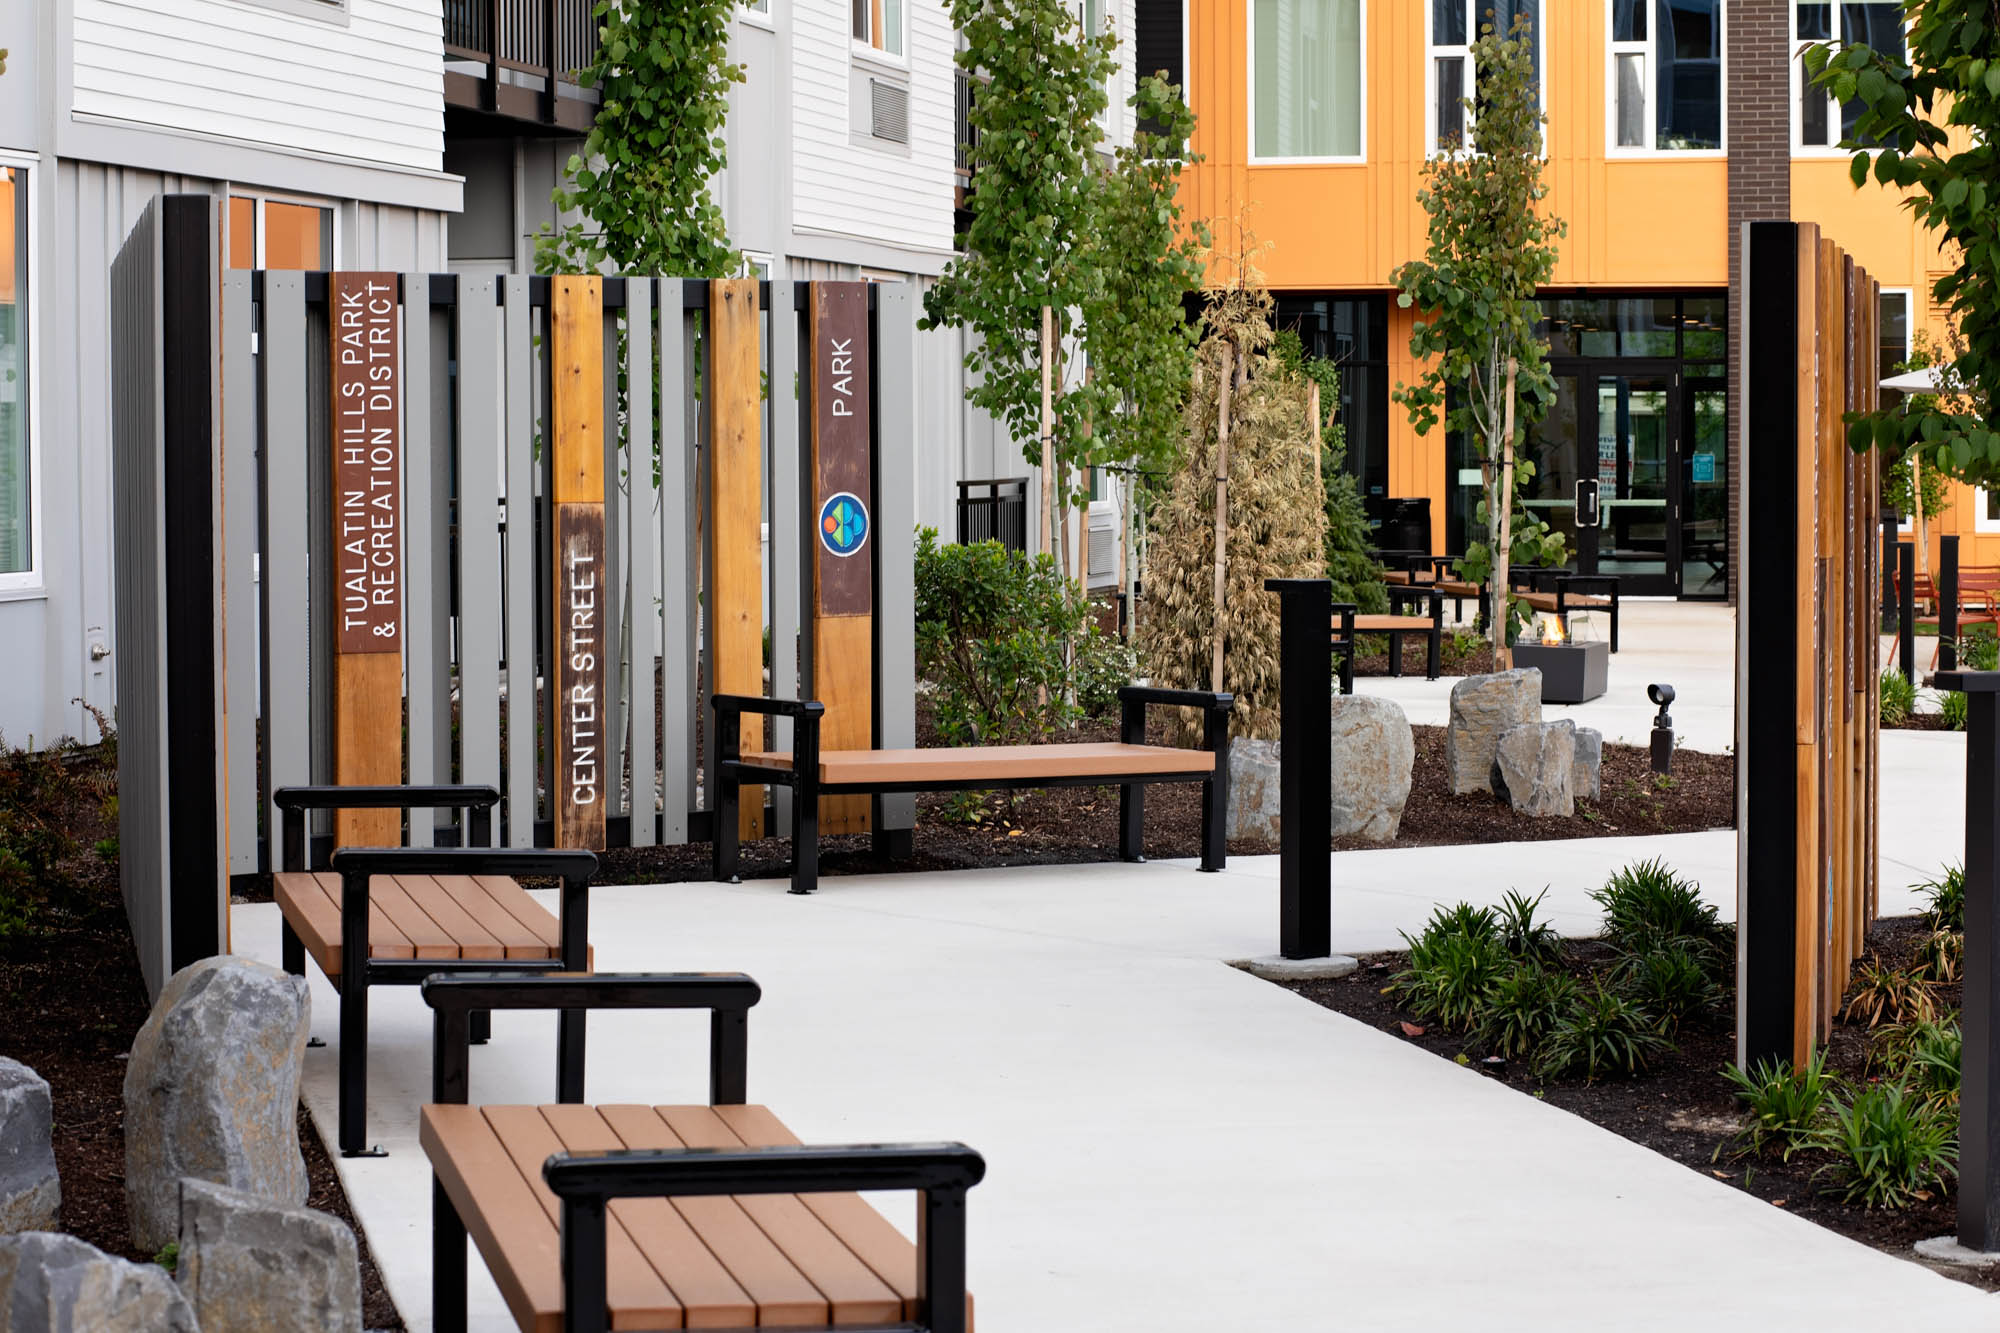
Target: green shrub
[1888,1145]
[1899,698]
[1454,966]
[992,630]
[1601,1033]
[1522,1007]
[1524,937]
[1951,707]
[40,792]
[1105,664]
[1881,993]
[1931,1063]
[1783,1107]
[1672,980]
[1647,904]
[1979,648]
[1946,898]
[1940,957]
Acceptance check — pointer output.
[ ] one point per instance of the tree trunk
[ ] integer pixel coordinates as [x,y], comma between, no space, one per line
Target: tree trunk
[1917,510]
[1048,429]
[1221,510]
[1503,546]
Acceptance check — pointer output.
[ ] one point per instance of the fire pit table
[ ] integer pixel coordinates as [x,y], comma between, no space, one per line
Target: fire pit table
[1572,672]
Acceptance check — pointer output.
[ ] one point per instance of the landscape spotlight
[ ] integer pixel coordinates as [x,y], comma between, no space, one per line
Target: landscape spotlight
[1663,728]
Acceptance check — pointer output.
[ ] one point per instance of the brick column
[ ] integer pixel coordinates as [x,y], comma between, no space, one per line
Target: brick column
[1760,183]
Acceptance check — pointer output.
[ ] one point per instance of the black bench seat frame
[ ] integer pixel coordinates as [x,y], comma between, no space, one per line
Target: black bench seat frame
[586,1181]
[733,772]
[358,865]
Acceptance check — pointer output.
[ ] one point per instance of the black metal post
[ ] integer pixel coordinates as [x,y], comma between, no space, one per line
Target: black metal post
[1305,759]
[1947,602]
[1889,524]
[1979,1088]
[1906,608]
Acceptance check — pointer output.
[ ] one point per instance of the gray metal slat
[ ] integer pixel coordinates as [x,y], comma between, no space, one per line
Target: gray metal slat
[239,573]
[420,648]
[787,524]
[643,528]
[436,562]
[675,522]
[478,532]
[895,549]
[285,580]
[616,490]
[519,627]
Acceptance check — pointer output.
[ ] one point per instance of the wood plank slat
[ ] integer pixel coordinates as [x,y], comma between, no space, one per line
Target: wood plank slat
[427,938]
[521,1246]
[998,763]
[516,940]
[709,1297]
[734,609]
[512,899]
[637,1297]
[311,902]
[471,936]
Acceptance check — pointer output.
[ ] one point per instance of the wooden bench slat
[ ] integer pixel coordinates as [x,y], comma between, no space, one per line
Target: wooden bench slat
[1386,624]
[853,1290]
[996,763]
[515,902]
[638,1298]
[709,1296]
[427,938]
[518,940]
[474,940]
[311,902]
[522,1248]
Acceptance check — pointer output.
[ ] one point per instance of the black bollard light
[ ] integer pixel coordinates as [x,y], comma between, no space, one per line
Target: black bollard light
[1663,728]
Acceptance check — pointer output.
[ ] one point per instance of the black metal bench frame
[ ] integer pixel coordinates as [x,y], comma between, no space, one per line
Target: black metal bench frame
[733,772]
[357,865]
[586,1182]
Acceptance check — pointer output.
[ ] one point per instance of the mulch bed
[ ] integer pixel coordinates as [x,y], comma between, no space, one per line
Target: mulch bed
[1684,1109]
[1918,722]
[1462,653]
[74,1000]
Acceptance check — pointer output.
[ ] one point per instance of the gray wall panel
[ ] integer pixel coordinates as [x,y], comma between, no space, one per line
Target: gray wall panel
[895,518]
[642,528]
[285,587]
[239,558]
[518,467]
[479,402]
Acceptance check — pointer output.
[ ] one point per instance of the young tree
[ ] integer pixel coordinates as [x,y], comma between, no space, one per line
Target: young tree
[1928,126]
[641,183]
[1492,246]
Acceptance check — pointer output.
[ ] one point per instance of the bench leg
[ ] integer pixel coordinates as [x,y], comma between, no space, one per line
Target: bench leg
[448,1313]
[1614,624]
[1395,652]
[724,840]
[805,839]
[354,1070]
[1434,653]
[481,1023]
[1132,822]
[569,1056]
[292,947]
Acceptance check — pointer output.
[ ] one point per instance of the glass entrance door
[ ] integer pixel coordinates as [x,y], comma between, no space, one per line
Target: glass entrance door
[1637,429]
[1703,504]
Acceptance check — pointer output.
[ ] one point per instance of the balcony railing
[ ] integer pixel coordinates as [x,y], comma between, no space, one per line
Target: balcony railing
[550,40]
[994,510]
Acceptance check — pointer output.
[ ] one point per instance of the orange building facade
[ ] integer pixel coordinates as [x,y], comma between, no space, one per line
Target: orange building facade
[1320,179]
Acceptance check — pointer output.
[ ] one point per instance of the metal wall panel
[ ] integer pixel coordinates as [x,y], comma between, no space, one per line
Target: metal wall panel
[239,571]
[895,554]
[642,489]
[421,534]
[517,325]
[286,581]
[676,519]
[786,574]
[479,532]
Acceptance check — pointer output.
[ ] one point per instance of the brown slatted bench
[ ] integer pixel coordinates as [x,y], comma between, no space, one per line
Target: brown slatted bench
[636,1216]
[1351,622]
[1129,763]
[1568,596]
[393,916]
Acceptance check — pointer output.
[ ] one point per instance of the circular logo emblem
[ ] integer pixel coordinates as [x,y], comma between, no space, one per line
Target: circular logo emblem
[843,524]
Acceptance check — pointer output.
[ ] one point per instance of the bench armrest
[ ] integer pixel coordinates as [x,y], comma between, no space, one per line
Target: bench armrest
[1153,694]
[477,801]
[725,704]
[727,996]
[1583,582]
[1214,705]
[943,1172]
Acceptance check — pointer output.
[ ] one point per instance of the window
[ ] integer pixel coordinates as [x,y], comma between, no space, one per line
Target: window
[275,233]
[19,536]
[1454,26]
[1666,74]
[1305,79]
[1158,45]
[1879,25]
[1353,333]
[758,6]
[878,25]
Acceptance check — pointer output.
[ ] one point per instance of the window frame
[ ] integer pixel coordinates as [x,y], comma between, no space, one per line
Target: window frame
[258,198]
[1648,50]
[866,49]
[1831,149]
[1433,51]
[32,581]
[757,13]
[1250,98]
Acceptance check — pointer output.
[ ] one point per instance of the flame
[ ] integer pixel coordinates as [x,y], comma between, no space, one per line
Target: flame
[1552,630]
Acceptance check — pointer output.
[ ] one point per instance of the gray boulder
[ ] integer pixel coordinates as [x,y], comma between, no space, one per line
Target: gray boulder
[212,1091]
[59,1284]
[1253,790]
[30,1195]
[1373,755]
[1586,777]
[1532,767]
[1483,708]
[248,1265]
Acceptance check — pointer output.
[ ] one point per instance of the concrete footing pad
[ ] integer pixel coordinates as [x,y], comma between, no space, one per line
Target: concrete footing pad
[1947,1250]
[1276,968]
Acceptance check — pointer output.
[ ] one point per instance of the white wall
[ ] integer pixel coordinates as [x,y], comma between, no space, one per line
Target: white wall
[363,79]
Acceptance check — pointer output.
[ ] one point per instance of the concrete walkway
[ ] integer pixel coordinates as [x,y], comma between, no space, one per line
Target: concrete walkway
[1172,1143]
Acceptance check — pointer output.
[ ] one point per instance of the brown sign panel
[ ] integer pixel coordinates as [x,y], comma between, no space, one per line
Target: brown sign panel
[367,463]
[586,621]
[843,545]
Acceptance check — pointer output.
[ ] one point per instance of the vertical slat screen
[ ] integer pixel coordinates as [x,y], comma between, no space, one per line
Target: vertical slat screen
[675,523]
[239,585]
[479,402]
[517,323]
[421,537]
[641,490]
[787,523]
[286,587]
